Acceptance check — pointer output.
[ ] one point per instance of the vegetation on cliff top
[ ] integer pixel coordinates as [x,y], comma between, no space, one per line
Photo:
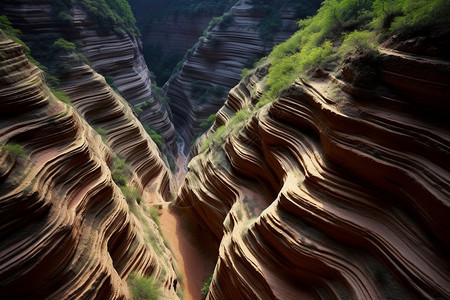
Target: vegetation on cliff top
[15,150]
[340,27]
[143,288]
[111,15]
[344,26]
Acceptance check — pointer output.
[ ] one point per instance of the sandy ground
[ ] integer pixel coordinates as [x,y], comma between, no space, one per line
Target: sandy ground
[190,262]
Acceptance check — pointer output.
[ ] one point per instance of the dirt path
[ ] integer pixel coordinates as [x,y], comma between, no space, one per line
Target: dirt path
[191,263]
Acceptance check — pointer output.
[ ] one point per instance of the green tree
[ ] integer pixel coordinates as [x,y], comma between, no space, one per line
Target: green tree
[143,288]
[15,150]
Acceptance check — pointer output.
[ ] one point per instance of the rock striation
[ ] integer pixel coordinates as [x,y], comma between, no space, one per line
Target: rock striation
[199,88]
[67,230]
[104,110]
[332,191]
[110,54]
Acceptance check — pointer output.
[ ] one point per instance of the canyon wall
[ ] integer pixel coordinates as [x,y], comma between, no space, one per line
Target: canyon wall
[67,230]
[333,191]
[115,55]
[199,88]
[169,28]
[175,25]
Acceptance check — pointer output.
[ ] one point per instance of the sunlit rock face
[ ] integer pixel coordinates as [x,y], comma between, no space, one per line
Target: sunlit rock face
[199,88]
[67,230]
[333,191]
[118,56]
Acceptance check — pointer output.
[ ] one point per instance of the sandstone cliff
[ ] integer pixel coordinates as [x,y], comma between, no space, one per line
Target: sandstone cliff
[333,191]
[199,88]
[118,55]
[67,230]
[169,28]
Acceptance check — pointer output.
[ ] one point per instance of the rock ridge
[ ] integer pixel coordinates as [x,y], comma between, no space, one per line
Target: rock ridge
[333,190]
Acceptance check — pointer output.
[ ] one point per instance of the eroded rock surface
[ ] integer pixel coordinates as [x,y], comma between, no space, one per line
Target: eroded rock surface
[199,88]
[67,230]
[332,191]
[110,54]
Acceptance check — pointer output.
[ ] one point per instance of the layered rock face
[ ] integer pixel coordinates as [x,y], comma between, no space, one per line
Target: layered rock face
[109,54]
[175,32]
[332,191]
[104,110]
[67,230]
[199,88]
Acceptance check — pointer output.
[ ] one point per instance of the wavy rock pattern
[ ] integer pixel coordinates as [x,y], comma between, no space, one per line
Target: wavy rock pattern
[102,108]
[121,57]
[332,195]
[66,228]
[109,54]
[218,61]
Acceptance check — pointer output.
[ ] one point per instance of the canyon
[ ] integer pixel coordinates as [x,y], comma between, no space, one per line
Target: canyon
[337,186]
[214,66]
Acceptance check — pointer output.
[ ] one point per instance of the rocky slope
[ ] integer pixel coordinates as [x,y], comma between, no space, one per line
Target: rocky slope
[198,89]
[169,28]
[332,191]
[175,25]
[110,54]
[104,110]
[67,230]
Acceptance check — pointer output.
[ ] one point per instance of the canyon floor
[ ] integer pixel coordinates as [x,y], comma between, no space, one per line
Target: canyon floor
[192,264]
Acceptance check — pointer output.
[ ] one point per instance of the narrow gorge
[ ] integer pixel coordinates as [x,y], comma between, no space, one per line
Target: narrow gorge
[299,150]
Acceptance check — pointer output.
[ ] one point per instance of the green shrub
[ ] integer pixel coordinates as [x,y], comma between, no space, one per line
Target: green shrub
[83,58]
[244,72]
[112,15]
[143,288]
[120,171]
[110,81]
[15,150]
[419,14]
[344,26]
[13,34]
[61,96]
[171,162]
[7,28]
[62,44]
[65,17]
[131,194]
[154,214]
[311,45]
[137,109]
[155,136]
[158,94]
[213,40]
[205,288]
[201,92]
[214,21]
[359,41]
[208,123]
[217,138]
